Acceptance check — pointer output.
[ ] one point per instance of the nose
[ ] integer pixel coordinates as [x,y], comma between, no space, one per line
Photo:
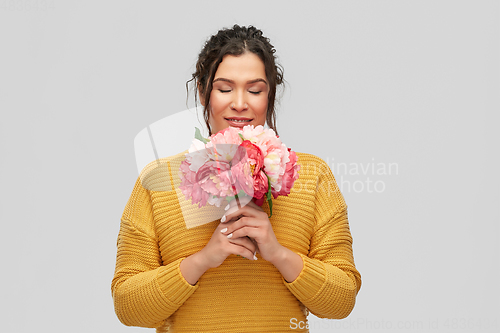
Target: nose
[239,103]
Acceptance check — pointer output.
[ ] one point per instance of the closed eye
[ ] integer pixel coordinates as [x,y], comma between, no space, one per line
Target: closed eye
[255,92]
[224,91]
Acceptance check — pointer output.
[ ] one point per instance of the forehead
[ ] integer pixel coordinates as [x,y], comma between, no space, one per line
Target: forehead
[247,66]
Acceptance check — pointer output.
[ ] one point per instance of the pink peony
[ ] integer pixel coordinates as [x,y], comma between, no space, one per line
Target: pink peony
[191,188]
[256,158]
[290,175]
[260,187]
[207,174]
[254,154]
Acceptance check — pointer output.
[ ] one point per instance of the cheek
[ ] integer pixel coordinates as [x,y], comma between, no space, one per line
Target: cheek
[217,103]
[260,106]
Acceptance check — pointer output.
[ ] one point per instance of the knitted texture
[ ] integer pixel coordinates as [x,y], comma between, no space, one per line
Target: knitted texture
[240,295]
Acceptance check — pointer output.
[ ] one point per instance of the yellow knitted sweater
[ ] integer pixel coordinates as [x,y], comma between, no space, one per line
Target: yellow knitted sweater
[240,295]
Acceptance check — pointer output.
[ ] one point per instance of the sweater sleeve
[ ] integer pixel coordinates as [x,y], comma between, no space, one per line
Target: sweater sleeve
[329,282]
[145,292]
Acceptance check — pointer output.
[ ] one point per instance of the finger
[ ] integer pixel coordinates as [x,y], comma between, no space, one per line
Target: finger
[244,221]
[243,251]
[246,231]
[246,227]
[234,213]
[232,203]
[233,206]
[239,202]
[226,227]
[245,242]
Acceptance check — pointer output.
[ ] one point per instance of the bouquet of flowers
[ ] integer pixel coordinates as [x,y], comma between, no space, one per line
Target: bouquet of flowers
[235,162]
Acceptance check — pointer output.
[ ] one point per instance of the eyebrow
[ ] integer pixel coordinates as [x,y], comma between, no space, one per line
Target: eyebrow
[231,81]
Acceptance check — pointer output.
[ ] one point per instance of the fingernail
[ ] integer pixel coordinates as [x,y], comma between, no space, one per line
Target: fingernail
[254,257]
[227,207]
[223,219]
[223,230]
[230,235]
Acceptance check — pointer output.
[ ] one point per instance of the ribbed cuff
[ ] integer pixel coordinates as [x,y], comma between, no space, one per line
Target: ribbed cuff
[173,284]
[310,280]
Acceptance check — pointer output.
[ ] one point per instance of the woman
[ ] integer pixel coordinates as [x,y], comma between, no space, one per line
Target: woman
[199,279]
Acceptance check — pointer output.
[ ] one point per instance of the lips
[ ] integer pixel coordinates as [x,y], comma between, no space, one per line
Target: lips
[240,123]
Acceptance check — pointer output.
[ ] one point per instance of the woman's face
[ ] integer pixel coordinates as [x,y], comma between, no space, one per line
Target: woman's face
[239,94]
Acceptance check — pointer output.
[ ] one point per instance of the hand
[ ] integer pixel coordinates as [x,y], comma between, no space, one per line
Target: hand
[251,221]
[219,247]
[250,232]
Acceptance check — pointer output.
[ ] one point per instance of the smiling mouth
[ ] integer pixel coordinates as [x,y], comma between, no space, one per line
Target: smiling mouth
[238,120]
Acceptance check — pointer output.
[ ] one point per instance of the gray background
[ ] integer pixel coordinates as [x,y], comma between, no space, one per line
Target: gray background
[412,84]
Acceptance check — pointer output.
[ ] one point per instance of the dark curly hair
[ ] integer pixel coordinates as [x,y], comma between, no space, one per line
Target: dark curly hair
[236,41]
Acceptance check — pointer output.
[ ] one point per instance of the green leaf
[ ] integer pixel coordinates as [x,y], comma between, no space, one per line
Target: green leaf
[197,135]
[241,136]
